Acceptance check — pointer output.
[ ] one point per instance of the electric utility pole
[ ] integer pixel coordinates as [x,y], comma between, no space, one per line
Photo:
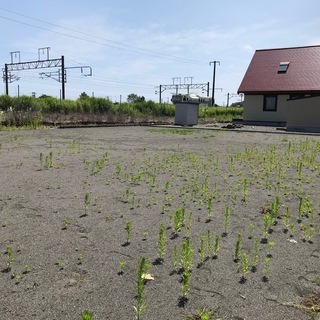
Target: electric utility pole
[213,78]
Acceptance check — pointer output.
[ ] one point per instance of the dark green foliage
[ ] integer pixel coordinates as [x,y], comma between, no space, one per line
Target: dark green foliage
[25,108]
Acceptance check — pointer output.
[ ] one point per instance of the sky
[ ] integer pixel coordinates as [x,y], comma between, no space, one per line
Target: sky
[136,46]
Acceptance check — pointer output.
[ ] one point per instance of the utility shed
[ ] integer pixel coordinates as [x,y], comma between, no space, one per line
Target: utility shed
[187,108]
[282,87]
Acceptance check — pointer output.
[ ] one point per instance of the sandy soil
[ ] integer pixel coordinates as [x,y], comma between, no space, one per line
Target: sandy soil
[61,255]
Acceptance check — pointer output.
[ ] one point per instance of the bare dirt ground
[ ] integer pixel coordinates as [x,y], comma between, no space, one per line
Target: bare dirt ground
[67,194]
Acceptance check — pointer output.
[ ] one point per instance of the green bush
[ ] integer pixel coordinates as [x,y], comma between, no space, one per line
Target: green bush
[6,103]
[92,105]
[220,114]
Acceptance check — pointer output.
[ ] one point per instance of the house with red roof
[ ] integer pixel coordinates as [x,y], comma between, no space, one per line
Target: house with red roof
[282,87]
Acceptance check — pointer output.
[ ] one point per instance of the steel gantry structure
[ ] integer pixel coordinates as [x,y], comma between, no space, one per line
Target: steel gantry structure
[176,87]
[39,64]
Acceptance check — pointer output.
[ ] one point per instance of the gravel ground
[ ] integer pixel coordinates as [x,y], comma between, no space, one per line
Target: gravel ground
[67,194]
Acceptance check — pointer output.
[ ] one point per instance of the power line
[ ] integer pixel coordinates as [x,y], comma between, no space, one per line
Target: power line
[146,51]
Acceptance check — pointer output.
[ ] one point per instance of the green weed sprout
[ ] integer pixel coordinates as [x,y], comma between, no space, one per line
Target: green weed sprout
[267,223]
[86,202]
[255,256]
[251,228]
[60,263]
[244,266]
[178,219]
[226,219]
[188,226]
[209,240]
[161,242]
[237,252]
[202,314]
[128,228]
[271,245]
[266,269]
[291,229]
[17,276]
[216,246]
[210,208]
[145,235]
[26,268]
[126,195]
[185,278]
[80,258]
[286,219]
[308,232]
[41,160]
[202,251]
[122,267]
[140,306]
[65,223]
[187,255]
[245,191]
[86,315]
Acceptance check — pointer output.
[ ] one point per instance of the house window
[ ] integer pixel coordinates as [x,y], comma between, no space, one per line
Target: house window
[270,103]
[283,67]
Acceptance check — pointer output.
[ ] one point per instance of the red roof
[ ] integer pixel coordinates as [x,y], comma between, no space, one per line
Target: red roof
[302,74]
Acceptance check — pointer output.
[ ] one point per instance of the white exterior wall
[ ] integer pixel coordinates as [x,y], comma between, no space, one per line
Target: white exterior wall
[304,114]
[253,109]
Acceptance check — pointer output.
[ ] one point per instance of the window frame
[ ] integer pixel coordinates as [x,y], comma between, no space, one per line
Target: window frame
[283,67]
[266,107]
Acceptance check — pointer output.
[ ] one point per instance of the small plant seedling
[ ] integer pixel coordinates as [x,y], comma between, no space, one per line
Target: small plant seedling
[210,209]
[17,276]
[26,268]
[188,225]
[86,315]
[291,229]
[255,256]
[80,258]
[122,267]
[86,202]
[178,219]
[202,314]
[60,263]
[226,220]
[202,251]
[216,246]
[244,266]
[185,279]
[41,160]
[145,235]
[286,219]
[251,228]
[209,240]
[267,223]
[266,269]
[271,245]
[19,247]
[140,306]
[237,252]
[65,223]
[161,242]
[187,255]
[128,228]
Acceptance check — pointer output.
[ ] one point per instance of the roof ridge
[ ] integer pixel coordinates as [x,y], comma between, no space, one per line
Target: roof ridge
[289,48]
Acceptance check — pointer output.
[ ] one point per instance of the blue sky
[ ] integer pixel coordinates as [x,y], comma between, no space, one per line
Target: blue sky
[134,46]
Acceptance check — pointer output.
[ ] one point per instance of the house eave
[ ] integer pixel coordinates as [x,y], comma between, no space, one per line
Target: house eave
[262,92]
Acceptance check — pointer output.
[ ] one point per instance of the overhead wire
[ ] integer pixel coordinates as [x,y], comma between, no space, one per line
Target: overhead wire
[125,47]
